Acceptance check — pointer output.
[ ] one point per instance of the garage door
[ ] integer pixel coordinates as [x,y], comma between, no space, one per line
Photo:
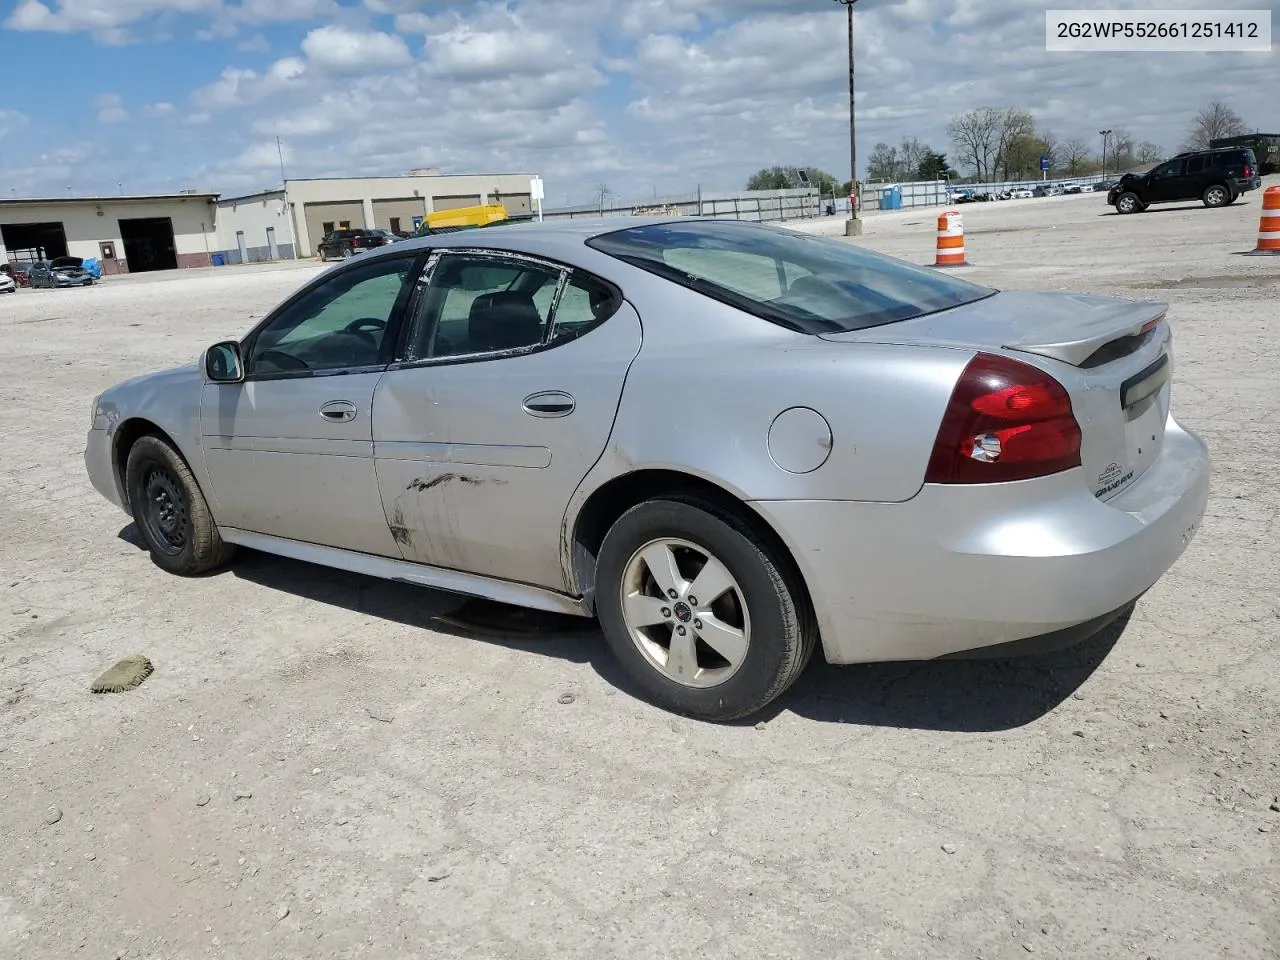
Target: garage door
[397,215]
[515,203]
[323,217]
[34,241]
[454,203]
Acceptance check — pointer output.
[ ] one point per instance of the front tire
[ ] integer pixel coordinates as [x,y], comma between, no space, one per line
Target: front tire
[1129,203]
[1216,196]
[171,512]
[698,610]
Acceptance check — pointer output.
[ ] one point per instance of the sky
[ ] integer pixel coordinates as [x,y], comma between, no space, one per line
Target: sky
[649,97]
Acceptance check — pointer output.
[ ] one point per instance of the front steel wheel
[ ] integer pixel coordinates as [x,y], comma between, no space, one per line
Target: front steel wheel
[706,616]
[170,510]
[685,613]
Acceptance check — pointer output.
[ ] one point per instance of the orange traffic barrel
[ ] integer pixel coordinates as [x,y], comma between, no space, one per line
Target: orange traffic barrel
[950,239]
[1269,224]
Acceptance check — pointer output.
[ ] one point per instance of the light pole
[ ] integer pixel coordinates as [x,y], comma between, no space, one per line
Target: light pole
[1104,134]
[853,227]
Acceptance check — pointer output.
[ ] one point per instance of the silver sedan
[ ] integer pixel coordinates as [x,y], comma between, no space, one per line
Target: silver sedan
[731,443]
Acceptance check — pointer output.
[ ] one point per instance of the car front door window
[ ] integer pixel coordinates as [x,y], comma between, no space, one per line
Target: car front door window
[1167,171]
[339,324]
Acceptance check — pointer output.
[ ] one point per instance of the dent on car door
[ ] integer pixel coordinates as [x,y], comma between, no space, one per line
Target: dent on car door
[505,401]
[289,451]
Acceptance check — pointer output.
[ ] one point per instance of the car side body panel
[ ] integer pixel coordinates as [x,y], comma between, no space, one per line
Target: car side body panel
[169,399]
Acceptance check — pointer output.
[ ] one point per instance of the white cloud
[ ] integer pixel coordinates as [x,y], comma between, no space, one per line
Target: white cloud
[161,109]
[672,92]
[111,108]
[10,120]
[255,44]
[340,50]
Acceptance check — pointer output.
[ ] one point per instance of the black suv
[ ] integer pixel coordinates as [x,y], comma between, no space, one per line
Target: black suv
[350,241]
[1214,177]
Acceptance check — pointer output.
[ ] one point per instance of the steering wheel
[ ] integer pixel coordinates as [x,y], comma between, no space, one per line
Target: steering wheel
[285,361]
[365,326]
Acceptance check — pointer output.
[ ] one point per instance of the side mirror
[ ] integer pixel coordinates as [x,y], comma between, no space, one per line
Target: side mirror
[222,362]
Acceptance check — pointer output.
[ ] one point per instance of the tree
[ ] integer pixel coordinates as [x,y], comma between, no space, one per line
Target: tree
[770,178]
[787,178]
[1016,129]
[1121,152]
[976,138]
[1074,153]
[1214,122]
[1148,152]
[935,167]
[883,162]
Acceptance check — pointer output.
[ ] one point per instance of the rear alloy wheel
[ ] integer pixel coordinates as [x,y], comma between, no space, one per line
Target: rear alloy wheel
[1129,203]
[699,612]
[171,512]
[1216,196]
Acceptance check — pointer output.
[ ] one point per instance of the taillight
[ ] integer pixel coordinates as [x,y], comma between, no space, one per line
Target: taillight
[1007,420]
[1248,171]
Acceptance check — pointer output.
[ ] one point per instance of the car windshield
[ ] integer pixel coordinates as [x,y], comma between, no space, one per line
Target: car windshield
[810,284]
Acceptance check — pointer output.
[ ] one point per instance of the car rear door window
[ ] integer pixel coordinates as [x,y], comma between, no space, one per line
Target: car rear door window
[585,303]
[1197,164]
[477,304]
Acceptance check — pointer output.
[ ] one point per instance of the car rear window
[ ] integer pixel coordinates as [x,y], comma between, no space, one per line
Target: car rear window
[810,284]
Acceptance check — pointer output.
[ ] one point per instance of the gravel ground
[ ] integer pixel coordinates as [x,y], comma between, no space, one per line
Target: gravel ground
[319,768]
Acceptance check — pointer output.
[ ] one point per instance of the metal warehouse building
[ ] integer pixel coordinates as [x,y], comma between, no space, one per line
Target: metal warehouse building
[271,224]
[128,234]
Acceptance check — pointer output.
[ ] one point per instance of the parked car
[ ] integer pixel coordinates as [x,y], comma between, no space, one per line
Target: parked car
[1021,193]
[1070,186]
[1214,177]
[341,244]
[7,284]
[19,271]
[730,442]
[58,274]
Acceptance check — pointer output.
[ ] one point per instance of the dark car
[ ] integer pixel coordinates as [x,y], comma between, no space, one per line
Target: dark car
[1214,177]
[62,272]
[347,242]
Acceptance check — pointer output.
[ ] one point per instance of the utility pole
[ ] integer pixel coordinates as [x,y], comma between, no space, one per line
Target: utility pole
[1104,134]
[853,227]
[287,206]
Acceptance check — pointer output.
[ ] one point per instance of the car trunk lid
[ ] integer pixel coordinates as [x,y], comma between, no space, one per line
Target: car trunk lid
[1113,356]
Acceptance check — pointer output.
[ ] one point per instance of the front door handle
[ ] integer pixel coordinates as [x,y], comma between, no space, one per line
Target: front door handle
[549,403]
[337,411]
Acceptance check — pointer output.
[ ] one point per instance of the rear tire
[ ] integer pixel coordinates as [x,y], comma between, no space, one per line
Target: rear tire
[1216,195]
[1129,202]
[740,647]
[171,512]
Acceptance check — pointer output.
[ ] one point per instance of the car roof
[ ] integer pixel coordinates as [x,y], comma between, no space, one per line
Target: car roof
[548,237]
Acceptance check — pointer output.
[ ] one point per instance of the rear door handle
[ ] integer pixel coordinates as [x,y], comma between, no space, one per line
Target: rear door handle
[337,411]
[549,403]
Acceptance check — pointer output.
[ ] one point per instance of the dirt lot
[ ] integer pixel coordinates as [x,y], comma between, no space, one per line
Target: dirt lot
[320,769]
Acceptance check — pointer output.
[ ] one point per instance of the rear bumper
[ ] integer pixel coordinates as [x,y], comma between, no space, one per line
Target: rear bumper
[959,568]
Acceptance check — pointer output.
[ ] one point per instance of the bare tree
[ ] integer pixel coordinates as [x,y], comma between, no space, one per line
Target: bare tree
[1121,148]
[883,162]
[1148,152]
[976,138]
[1074,153]
[1017,126]
[1213,122]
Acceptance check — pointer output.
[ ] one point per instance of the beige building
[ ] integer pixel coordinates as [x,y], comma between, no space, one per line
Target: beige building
[272,224]
[127,234]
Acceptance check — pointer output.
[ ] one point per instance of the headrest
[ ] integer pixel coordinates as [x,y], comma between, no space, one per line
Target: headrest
[504,321]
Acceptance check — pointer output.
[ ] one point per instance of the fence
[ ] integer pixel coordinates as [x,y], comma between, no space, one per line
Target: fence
[936,193]
[758,205]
